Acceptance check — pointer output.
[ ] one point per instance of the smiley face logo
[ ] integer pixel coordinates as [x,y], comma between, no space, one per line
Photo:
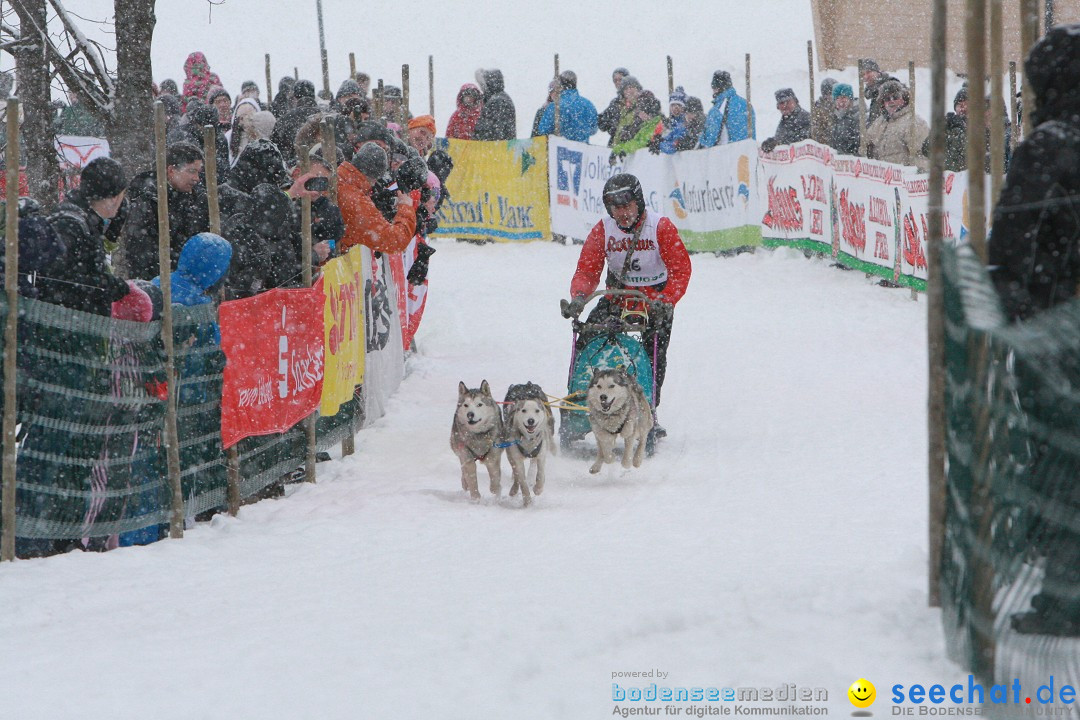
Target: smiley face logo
[862,693]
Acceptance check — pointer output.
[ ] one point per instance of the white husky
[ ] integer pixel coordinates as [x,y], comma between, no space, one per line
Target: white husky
[476,437]
[530,432]
[618,408]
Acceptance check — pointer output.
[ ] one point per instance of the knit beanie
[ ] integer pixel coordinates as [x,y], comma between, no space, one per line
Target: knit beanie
[843,90]
[678,97]
[785,94]
[423,121]
[349,87]
[370,160]
[102,178]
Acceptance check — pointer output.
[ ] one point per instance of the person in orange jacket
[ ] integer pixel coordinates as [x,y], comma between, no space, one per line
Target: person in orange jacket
[364,224]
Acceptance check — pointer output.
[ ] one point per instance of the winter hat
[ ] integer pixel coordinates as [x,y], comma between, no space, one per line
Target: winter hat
[136,305]
[262,124]
[157,301]
[248,85]
[423,121]
[619,71]
[630,81]
[286,84]
[871,65]
[169,87]
[370,160]
[1052,67]
[843,89]
[216,92]
[391,92]
[785,94]
[721,80]
[893,88]
[172,105]
[678,97]
[827,86]
[102,178]
[247,102]
[961,96]
[349,87]
[303,88]
[693,105]
[370,130]
[568,78]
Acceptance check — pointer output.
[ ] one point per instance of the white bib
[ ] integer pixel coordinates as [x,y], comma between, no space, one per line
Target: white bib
[646,266]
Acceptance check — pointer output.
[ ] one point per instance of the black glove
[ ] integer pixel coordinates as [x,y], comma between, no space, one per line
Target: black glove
[654,146]
[768,145]
[573,308]
[419,271]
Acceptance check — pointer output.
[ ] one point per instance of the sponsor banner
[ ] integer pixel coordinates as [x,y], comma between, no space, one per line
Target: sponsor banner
[708,194]
[343,313]
[915,226]
[76,151]
[870,202]
[384,364]
[415,295]
[273,344]
[796,189]
[498,190]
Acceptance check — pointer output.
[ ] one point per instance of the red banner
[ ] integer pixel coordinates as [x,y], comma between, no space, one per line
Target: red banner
[273,344]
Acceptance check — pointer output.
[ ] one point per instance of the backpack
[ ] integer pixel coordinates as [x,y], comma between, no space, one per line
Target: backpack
[39,245]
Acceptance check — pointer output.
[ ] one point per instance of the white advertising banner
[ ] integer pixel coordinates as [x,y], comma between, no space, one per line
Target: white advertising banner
[708,194]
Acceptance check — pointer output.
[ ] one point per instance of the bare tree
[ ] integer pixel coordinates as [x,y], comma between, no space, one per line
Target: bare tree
[121,100]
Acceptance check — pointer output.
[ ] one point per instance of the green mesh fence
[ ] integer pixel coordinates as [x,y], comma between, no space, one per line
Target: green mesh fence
[91,464]
[1010,568]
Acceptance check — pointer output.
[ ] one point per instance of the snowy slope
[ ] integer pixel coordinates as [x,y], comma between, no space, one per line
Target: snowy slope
[778,536]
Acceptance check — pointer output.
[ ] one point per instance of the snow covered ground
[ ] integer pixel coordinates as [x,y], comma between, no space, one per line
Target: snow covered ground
[778,535]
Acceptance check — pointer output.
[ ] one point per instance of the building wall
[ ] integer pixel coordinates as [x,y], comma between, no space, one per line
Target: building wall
[896,31]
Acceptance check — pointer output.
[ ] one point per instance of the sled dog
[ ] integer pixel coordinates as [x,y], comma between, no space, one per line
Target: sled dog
[476,437]
[530,431]
[618,408]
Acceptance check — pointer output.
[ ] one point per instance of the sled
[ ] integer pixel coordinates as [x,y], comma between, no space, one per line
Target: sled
[617,344]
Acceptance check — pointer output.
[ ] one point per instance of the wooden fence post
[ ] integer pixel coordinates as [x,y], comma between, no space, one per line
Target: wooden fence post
[269,83]
[172,441]
[11,323]
[305,262]
[431,84]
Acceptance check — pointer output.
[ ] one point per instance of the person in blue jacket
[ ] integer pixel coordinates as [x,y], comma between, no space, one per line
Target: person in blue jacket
[727,120]
[577,115]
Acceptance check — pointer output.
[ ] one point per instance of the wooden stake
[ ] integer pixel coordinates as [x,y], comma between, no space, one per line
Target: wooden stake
[810,63]
[997,99]
[352,66]
[976,142]
[305,262]
[862,110]
[749,107]
[379,105]
[11,323]
[431,84]
[935,301]
[1015,136]
[269,82]
[558,93]
[670,76]
[322,49]
[296,73]
[404,112]
[1029,32]
[172,442]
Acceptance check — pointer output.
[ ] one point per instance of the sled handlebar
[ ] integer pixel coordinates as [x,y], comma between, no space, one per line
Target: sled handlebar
[568,311]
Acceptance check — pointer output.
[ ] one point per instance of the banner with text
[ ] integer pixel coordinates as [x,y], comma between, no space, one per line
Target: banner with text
[385,359]
[708,194]
[273,344]
[498,190]
[343,312]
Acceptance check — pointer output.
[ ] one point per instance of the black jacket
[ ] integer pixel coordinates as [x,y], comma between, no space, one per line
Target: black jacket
[608,120]
[498,119]
[793,127]
[845,131]
[188,215]
[284,135]
[1034,248]
[259,162]
[80,279]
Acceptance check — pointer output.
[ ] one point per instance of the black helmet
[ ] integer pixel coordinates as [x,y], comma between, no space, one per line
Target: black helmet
[621,189]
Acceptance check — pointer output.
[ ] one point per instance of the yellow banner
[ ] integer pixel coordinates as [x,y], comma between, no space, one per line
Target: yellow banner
[498,190]
[343,286]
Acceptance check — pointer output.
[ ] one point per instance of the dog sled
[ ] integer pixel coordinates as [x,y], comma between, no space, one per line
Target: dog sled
[616,342]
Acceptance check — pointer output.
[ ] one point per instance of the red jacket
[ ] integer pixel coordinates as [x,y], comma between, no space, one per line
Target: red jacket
[364,224]
[593,259]
[463,121]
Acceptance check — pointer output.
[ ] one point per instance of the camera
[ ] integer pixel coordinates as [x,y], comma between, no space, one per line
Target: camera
[318,184]
[411,174]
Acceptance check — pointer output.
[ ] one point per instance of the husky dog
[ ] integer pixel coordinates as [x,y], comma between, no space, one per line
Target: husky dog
[530,429]
[476,436]
[618,408]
